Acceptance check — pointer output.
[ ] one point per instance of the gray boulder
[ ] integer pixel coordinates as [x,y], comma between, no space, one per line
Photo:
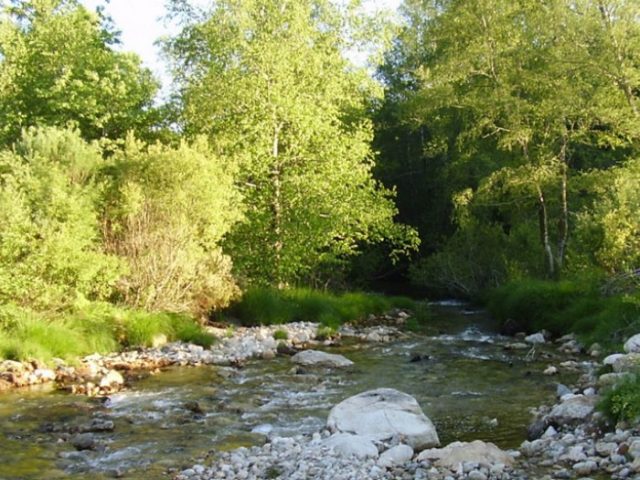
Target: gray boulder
[458,453]
[321,359]
[633,344]
[383,414]
[574,409]
[535,339]
[348,445]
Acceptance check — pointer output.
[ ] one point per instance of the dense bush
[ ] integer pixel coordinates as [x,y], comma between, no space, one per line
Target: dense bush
[165,213]
[269,306]
[50,251]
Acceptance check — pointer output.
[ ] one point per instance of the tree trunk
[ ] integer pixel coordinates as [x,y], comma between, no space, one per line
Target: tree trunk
[276,207]
[563,223]
[544,232]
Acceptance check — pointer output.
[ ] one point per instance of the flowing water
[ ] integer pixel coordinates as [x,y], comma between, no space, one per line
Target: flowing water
[465,381]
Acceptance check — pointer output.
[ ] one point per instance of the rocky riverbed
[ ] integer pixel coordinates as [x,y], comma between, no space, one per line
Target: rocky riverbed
[370,436]
[242,417]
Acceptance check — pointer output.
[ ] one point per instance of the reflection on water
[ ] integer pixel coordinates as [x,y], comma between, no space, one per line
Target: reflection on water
[457,369]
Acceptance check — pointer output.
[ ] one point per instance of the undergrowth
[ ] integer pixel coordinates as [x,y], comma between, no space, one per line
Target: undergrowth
[269,306]
[91,328]
[564,307]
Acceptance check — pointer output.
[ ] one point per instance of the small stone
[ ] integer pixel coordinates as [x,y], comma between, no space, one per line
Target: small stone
[550,370]
[476,475]
[585,468]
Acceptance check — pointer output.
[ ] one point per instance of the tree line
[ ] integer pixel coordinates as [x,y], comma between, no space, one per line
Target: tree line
[259,170]
[496,140]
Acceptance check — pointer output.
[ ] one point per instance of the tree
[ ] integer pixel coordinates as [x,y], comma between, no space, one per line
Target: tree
[58,67]
[268,82]
[545,90]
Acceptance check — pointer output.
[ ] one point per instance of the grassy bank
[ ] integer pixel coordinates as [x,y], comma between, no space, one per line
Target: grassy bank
[96,327]
[269,306]
[563,307]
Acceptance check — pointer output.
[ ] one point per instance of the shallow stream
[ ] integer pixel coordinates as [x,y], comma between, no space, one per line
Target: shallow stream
[457,368]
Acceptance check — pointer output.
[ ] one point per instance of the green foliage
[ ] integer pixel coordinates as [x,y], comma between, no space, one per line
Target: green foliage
[293,115]
[267,306]
[58,66]
[50,253]
[325,333]
[165,213]
[503,117]
[622,402]
[280,335]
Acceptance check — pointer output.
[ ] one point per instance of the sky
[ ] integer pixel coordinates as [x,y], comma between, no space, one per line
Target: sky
[141,24]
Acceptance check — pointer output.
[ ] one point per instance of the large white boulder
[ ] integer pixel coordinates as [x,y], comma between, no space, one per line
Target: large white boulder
[320,359]
[457,453]
[347,444]
[383,414]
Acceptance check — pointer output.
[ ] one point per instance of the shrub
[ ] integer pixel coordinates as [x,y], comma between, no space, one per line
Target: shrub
[622,402]
[165,213]
[50,254]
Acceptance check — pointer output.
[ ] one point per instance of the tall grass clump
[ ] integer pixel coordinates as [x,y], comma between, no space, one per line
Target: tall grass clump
[270,306]
[564,307]
[91,328]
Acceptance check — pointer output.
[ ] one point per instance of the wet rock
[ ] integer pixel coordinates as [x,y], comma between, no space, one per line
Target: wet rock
[457,453]
[348,444]
[98,425]
[537,429]
[323,359]
[383,414]
[194,407]
[419,357]
[83,441]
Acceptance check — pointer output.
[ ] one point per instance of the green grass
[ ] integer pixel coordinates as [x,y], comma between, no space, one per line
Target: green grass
[280,335]
[622,402]
[563,307]
[268,306]
[96,327]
